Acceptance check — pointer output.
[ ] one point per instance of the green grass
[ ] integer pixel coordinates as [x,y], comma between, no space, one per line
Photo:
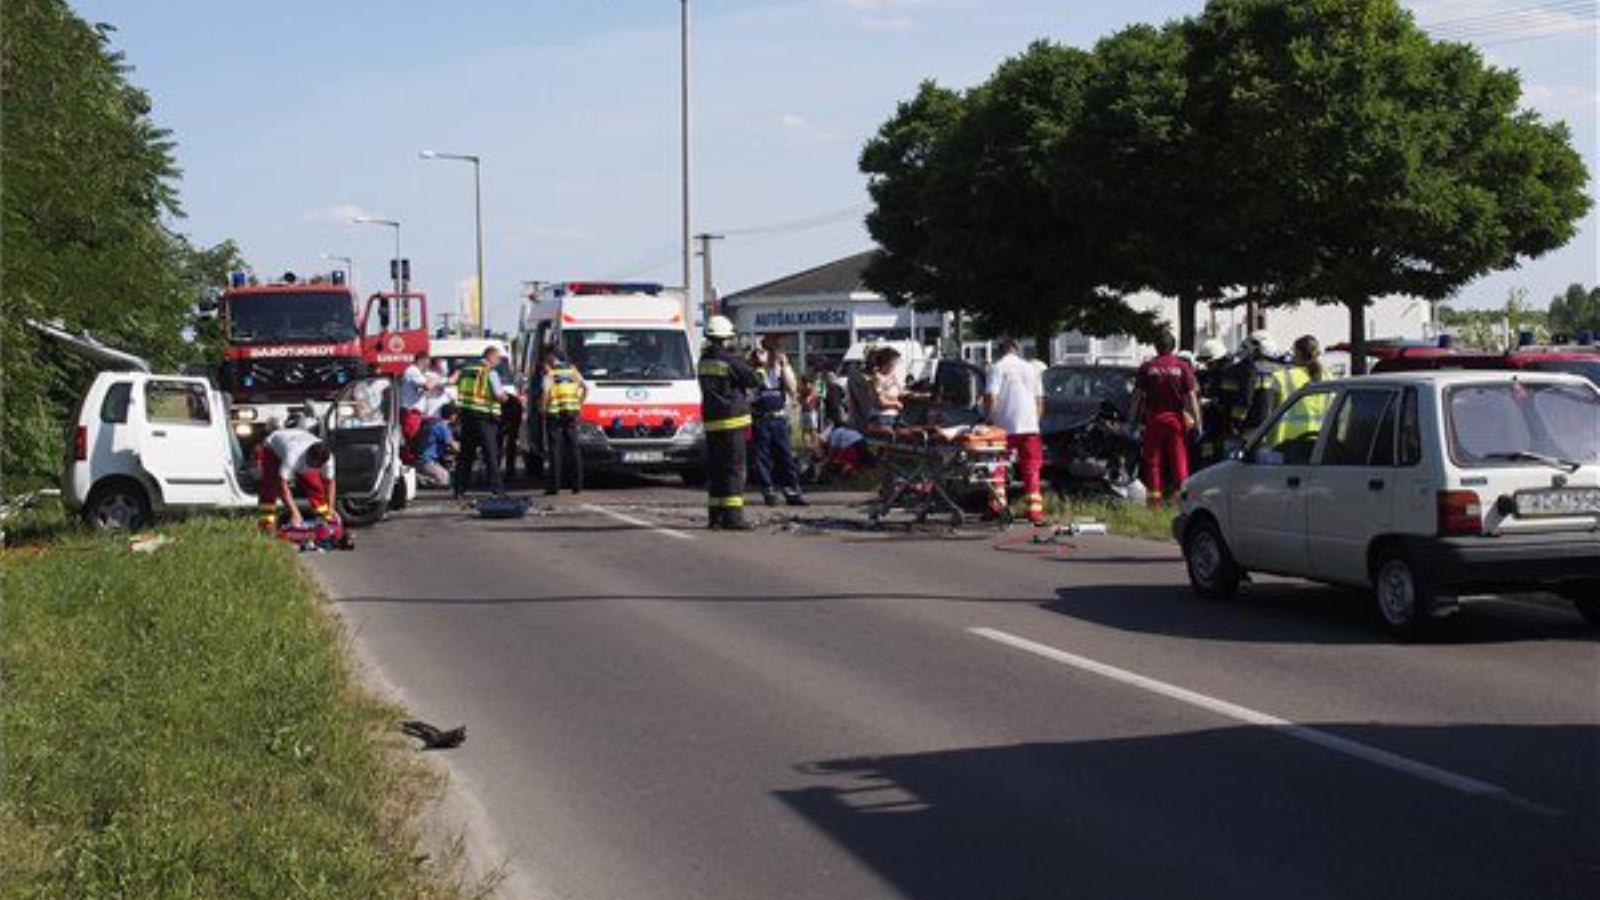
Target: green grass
[182,725]
[1128,519]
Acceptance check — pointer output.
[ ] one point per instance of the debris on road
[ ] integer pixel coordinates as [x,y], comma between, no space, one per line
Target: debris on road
[432,737]
[148,543]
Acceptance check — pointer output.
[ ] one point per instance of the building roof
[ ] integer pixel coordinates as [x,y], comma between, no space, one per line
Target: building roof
[841,277]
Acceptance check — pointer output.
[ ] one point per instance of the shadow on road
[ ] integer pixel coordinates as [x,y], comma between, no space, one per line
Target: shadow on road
[1227,813]
[1299,612]
[689,598]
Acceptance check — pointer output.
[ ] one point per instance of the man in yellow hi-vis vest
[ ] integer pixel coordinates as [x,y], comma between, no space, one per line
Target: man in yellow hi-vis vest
[563,393]
[479,391]
[725,386]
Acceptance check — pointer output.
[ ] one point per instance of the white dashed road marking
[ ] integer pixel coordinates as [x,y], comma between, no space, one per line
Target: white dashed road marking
[1324,739]
[641,523]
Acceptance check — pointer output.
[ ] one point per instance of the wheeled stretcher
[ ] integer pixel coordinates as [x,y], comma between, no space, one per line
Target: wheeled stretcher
[941,473]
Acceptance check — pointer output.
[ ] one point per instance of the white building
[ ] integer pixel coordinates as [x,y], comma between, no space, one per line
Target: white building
[1406,318]
[823,310]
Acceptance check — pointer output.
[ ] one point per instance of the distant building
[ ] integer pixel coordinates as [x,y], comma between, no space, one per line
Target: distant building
[823,310]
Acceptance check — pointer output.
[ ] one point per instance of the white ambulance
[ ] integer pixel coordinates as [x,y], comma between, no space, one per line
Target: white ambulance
[637,352]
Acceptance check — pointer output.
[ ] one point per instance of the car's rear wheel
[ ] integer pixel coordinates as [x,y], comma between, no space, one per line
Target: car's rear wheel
[118,506]
[1402,595]
[1212,571]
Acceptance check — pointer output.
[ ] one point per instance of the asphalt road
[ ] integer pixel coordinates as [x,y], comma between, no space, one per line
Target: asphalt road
[659,711]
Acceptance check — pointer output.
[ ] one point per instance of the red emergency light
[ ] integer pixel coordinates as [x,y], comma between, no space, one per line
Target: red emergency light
[591,288]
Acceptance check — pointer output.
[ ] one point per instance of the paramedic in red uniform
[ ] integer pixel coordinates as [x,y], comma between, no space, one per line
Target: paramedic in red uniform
[1166,401]
[294,460]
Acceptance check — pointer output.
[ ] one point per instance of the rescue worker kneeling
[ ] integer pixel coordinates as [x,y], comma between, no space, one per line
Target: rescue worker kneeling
[725,386]
[294,459]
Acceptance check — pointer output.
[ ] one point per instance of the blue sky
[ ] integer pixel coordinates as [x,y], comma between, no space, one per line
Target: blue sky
[292,116]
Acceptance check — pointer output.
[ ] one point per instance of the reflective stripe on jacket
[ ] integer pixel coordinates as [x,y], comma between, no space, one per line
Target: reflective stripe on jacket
[725,386]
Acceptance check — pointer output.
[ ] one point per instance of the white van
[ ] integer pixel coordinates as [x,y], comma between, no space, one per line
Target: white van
[144,445]
[637,353]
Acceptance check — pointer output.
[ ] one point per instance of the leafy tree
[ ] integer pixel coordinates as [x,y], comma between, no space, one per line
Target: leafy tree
[1371,160]
[89,195]
[1575,310]
[995,203]
[1152,188]
[900,162]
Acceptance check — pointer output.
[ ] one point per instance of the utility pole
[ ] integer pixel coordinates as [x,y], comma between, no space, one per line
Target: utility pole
[683,28]
[709,292]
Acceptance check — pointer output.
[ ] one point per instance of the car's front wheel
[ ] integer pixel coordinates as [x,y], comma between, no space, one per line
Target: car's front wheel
[1402,595]
[1212,571]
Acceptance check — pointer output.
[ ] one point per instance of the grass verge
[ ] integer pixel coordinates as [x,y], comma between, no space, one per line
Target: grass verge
[1128,519]
[182,725]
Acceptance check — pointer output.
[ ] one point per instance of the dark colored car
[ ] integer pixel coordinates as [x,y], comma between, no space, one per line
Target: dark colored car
[1085,427]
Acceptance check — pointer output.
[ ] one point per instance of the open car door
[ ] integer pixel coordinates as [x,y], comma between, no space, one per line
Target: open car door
[394,329]
[363,427]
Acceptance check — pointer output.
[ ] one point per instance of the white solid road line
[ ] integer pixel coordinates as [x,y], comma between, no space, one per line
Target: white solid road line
[1324,739]
[642,523]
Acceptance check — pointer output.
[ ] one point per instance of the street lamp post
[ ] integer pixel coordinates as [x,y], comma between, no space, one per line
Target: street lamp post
[683,111]
[349,266]
[387,223]
[477,210]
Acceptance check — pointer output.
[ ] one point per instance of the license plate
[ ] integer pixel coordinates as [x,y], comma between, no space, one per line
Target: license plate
[1559,502]
[644,456]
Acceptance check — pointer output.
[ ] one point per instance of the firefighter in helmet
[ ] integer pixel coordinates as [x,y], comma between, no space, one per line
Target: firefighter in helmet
[726,383]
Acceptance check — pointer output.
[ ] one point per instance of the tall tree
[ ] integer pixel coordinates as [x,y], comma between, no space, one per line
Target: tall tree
[88,201]
[995,201]
[1380,162]
[1575,310]
[899,161]
[1152,189]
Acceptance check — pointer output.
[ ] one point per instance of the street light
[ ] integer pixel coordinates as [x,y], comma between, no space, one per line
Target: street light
[387,223]
[477,208]
[349,265]
[683,112]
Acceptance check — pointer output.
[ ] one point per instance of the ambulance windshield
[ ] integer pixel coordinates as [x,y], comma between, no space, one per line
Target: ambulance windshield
[645,354]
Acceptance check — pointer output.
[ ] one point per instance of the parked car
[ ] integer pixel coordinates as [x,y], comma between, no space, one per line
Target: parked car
[1422,487]
[1087,436]
[144,445]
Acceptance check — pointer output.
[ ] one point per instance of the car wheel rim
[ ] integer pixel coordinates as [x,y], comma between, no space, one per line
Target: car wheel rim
[118,512]
[1396,593]
[1205,557]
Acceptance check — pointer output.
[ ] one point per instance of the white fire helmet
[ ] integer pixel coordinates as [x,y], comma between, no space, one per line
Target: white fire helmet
[1261,343]
[719,328]
[1210,349]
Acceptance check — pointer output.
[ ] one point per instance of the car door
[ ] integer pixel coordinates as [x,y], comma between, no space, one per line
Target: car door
[1350,491]
[180,444]
[363,429]
[1267,499]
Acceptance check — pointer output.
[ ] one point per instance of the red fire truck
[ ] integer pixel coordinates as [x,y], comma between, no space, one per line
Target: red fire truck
[292,342]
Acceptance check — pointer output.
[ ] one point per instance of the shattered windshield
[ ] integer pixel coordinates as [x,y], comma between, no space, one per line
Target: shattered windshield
[299,316]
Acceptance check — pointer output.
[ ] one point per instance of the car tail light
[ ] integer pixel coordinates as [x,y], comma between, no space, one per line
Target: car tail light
[1460,512]
[80,443]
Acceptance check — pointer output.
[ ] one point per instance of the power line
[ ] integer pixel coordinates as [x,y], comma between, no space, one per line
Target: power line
[1512,14]
[814,221]
[1549,18]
